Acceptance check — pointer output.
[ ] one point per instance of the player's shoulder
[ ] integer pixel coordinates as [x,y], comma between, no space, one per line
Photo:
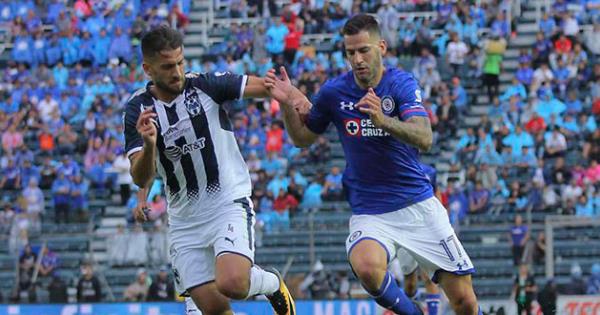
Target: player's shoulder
[400,76]
[141,96]
[337,84]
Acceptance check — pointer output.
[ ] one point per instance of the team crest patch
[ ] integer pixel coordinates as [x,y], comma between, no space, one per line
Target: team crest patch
[387,104]
[352,127]
[354,236]
[192,104]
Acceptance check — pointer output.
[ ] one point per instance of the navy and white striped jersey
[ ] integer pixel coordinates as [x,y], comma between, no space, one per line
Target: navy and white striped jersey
[197,155]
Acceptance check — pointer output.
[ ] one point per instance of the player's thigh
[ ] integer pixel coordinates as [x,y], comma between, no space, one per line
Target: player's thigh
[209,300]
[431,240]
[368,247]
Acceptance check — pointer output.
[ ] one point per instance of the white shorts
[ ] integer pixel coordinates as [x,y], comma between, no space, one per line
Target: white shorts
[423,230]
[406,261]
[195,246]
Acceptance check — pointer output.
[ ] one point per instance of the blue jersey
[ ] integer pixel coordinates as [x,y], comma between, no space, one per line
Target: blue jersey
[431,174]
[382,174]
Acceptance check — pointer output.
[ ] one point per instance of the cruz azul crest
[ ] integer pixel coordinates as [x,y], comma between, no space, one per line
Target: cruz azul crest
[192,103]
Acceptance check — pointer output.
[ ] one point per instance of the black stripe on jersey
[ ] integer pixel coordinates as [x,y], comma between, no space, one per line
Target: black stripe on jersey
[171,179]
[249,215]
[211,166]
[187,164]
[224,120]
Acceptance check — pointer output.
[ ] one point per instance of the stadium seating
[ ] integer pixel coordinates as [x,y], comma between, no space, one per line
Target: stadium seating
[484,235]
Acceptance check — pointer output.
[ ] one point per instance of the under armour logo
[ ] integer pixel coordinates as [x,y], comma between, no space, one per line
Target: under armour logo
[347,106]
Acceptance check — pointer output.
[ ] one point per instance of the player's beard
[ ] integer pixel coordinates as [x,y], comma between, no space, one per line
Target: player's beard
[368,79]
[169,89]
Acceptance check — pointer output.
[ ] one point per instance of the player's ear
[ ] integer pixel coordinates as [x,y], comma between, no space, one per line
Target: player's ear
[147,69]
[383,46]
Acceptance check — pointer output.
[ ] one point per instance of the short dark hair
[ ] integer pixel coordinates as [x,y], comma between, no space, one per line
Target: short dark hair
[361,22]
[159,39]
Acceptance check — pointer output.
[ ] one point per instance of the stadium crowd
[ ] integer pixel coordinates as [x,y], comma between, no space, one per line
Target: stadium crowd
[74,64]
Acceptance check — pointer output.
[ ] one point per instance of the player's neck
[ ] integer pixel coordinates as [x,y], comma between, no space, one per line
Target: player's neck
[373,83]
[162,95]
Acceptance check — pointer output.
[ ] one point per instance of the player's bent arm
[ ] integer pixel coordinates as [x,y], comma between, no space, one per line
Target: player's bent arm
[294,125]
[255,87]
[142,166]
[415,131]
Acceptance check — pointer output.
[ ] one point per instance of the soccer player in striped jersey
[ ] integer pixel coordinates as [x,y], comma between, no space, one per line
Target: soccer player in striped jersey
[177,127]
[382,126]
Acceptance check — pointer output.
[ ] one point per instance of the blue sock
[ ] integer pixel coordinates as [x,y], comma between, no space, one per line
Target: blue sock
[433,302]
[479,311]
[392,297]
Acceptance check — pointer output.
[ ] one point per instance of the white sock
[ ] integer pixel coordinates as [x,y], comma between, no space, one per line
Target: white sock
[262,282]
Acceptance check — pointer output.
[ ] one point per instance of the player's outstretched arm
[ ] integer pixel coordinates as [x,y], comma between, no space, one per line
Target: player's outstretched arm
[255,87]
[294,106]
[415,131]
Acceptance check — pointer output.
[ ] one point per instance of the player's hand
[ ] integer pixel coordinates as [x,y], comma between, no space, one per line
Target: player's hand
[145,126]
[280,88]
[140,214]
[370,104]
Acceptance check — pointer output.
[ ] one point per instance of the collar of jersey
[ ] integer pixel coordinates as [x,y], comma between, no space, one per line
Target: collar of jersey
[158,101]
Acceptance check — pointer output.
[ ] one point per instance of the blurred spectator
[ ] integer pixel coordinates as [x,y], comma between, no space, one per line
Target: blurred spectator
[275,37]
[88,287]
[47,173]
[138,290]
[66,141]
[592,39]
[332,188]
[137,253]
[117,246]
[275,136]
[61,190]
[35,203]
[459,96]
[467,146]
[492,65]
[519,236]
[479,199]
[57,290]
[79,194]
[593,286]
[11,177]
[26,289]
[547,297]
[539,249]
[318,284]
[49,262]
[121,166]
[577,285]
[162,288]
[456,53]
[524,290]
[12,138]
[448,118]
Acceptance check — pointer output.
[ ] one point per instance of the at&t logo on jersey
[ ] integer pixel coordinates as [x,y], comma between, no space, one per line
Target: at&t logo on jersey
[175,152]
[363,128]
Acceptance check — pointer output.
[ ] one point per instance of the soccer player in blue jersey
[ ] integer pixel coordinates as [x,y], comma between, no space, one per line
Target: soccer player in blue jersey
[382,126]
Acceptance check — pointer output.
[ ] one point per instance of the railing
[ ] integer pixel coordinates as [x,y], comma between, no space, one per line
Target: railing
[557,221]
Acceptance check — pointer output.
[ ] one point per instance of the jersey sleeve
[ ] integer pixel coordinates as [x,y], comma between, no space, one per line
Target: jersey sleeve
[133,139]
[319,116]
[220,86]
[409,99]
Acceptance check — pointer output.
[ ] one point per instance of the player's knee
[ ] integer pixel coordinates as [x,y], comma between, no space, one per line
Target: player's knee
[465,304]
[370,272]
[234,285]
